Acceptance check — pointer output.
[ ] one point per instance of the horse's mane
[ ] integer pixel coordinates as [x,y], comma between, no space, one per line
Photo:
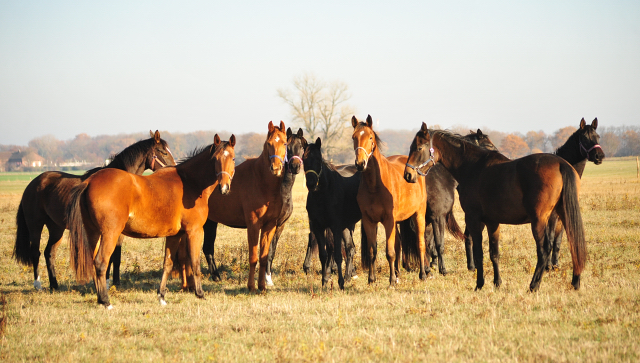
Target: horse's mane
[571,142]
[328,165]
[200,149]
[128,156]
[459,141]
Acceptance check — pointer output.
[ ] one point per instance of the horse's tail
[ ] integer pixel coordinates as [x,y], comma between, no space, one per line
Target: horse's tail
[453,227]
[409,238]
[573,218]
[80,251]
[22,247]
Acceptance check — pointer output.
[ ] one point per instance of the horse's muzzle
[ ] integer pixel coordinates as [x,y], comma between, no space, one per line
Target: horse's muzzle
[360,165]
[276,171]
[224,189]
[410,176]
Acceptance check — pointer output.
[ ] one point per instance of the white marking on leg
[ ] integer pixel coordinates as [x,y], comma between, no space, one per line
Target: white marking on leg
[110,307]
[268,278]
[37,284]
[163,302]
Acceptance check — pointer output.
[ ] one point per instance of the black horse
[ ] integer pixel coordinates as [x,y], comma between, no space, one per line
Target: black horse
[296,145]
[441,187]
[45,200]
[333,212]
[582,146]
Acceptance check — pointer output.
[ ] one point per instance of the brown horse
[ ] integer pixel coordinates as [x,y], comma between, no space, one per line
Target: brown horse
[169,203]
[384,197]
[255,202]
[46,198]
[494,190]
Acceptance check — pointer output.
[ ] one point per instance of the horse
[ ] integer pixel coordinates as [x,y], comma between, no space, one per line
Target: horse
[47,196]
[384,197]
[495,190]
[582,146]
[296,144]
[441,187]
[333,211]
[172,202]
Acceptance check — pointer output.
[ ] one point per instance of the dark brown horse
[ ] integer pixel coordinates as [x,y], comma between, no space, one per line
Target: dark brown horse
[169,203]
[255,202]
[384,197]
[494,190]
[46,198]
[296,144]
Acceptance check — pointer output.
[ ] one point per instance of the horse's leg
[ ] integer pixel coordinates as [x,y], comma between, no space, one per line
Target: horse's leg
[429,234]
[475,231]
[253,236]
[390,232]
[419,221]
[208,247]
[55,237]
[557,240]
[108,242]
[325,261]
[272,253]
[398,249]
[171,245]
[468,248]
[493,230]
[338,242]
[266,235]
[349,251]
[438,236]
[371,231]
[543,250]
[194,245]
[116,259]
[312,245]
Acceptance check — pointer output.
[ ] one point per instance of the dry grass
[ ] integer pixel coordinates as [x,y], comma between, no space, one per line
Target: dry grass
[441,319]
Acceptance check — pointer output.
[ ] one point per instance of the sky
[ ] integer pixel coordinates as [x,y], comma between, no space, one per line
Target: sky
[128,66]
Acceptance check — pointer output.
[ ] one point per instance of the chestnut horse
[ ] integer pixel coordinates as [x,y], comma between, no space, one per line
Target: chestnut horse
[494,190]
[384,197]
[45,200]
[169,203]
[255,202]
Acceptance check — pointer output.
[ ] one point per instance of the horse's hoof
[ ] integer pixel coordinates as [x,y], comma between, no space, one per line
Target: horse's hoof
[397,281]
[162,301]
[215,277]
[37,284]
[109,307]
[269,281]
[354,277]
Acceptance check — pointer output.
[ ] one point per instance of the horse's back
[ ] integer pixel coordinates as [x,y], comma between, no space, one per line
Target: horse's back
[47,196]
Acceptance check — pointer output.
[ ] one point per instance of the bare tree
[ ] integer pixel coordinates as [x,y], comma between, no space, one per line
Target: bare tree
[320,109]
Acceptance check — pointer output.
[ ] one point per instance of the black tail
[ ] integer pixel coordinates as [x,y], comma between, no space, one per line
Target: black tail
[80,251]
[22,248]
[573,218]
[453,227]
[410,250]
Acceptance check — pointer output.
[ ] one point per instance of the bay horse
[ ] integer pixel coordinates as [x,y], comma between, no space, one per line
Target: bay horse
[384,197]
[441,188]
[47,196]
[333,211]
[170,203]
[255,202]
[495,190]
[296,144]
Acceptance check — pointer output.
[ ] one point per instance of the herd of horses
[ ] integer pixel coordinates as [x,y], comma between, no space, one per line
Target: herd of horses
[411,196]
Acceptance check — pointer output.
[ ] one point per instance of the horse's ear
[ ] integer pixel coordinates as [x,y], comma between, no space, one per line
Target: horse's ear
[479,132]
[300,133]
[282,126]
[583,123]
[594,123]
[156,137]
[319,143]
[271,128]
[369,121]
[289,133]
[216,140]
[423,128]
[354,122]
[232,140]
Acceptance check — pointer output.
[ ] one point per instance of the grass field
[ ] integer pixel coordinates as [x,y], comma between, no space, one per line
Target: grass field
[442,319]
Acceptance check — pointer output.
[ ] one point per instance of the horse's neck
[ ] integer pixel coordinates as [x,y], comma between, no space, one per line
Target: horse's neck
[134,168]
[196,173]
[262,169]
[287,181]
[371,175]
[459,163]
[570,152]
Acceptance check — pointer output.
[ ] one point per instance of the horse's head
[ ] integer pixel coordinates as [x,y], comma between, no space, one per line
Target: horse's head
[276,148]
[422,156]
[480,139]
[296,144]
[224,156]
[159,156]
[589,141]
[365,141]
[312,160]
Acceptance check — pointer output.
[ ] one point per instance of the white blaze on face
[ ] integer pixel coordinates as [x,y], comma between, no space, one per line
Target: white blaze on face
[277,138]
[361,133]
[226,153]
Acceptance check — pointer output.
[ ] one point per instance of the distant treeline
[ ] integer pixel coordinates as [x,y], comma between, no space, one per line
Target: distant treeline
[615,141]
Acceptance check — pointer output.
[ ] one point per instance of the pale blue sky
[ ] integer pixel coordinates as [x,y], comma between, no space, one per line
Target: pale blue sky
[128,66]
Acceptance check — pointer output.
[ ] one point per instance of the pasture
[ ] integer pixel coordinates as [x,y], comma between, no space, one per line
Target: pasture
[441,319]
